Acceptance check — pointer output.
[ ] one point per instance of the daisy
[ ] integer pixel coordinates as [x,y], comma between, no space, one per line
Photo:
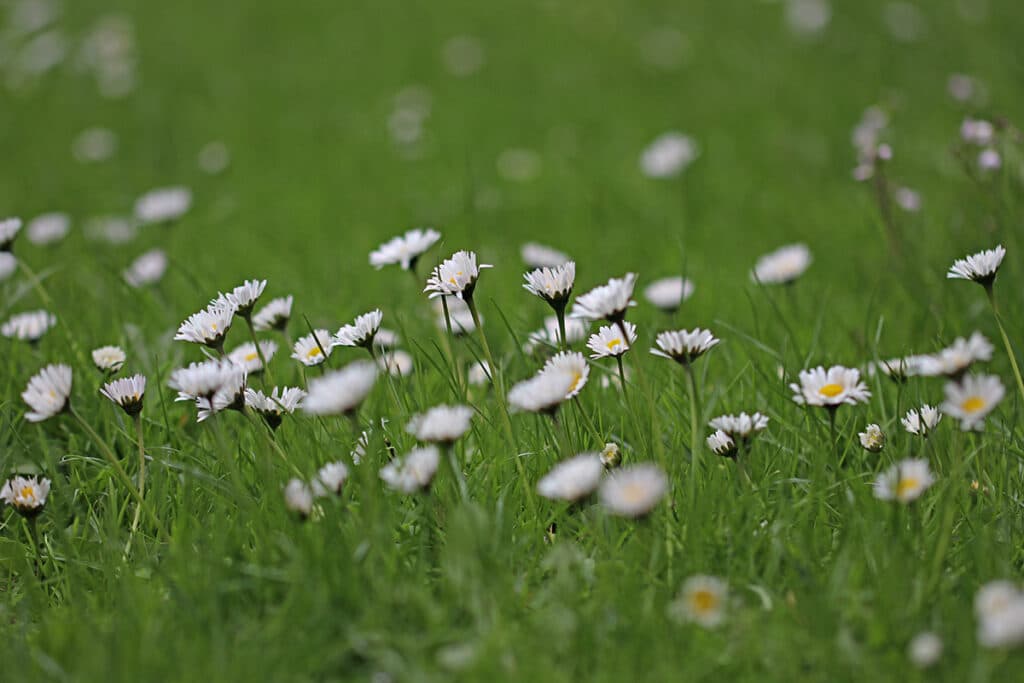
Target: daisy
[48,228]
[573,364]
[722,444]
[999,607]
[872,438]
[607,302]
[554,285]
[248,357]
[573,479]
[955,359]
[298,497]
[981,267]
[209,326]
[330,479]
[9,229]
[341,392]
[540,256]
[414,472]
[455,276]
[361,332]
[990,160]
[702,600]
[542,393]
[830,388]
[740,426]
[29,326]
[27,495]
[272,408]
[230,395]
[109,359]
[924,649]
[458,313]
[48,392]
[244,297]
[609,341]
[684,346]
[147,269]
[441,424]
[313,349]
[611,456]
[200,380]
[404,250]
[668,155]
[921,421]
[163,205]
[634,491]
[669,293]
[386,339]
[8,264]
[274,316]
[905,481]
[972,398]
[977,131]
[575,331]
[783,265]
[127,393]
[396,363]
[479,373]
[901,369]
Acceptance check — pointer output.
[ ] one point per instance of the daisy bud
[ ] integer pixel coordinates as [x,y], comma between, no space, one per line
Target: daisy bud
[669,293]
[27,495]
[921,421]
[872,438]
[611,456]
[147,269]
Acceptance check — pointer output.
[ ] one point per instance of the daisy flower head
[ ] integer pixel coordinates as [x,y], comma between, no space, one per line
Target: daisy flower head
[361,332]
[147,269]
[330,479]
[921,421]
[29,326]
[274,315]
[899,370]
[830,388]
[573,479]
[668,155]
[414,472]
[782,266]
[905,481]
[740,426]
[872,439]
[48,392]
[272,408]
[209,326]
[298,497]
[607,302]
[109,359]
[536,255]
[990,160]
[248,357]
[126,392]
[404,250]
[611,455]
[8,264]
[722,444]
[200,380]
[554,285]
[341,392]
[957,358]
[634,491]
[9,229]
[455,276]
[684,346]
[386,339]
[230,395]
[542,393]
[669,293]
[441,424]
[609,341]
[981,267]
[573,364]
[244,297]
[999,608]
[396,362]
[313,349]
[702,600]
[27,495]
[163,205]
[48,228]
[972,398]
[924,649]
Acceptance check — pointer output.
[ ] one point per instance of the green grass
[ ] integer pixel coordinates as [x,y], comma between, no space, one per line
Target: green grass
[827,583]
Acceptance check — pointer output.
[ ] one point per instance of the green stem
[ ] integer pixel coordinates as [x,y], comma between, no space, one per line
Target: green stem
[495,375]
[37,554]
[142,471]
[1006,341]
[560,314]
[691,385]
[622,376]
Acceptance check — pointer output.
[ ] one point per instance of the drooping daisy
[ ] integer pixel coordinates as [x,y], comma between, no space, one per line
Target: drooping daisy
[972,398]
[924,649]
[684,346]
[48,228]
[830,388]
[536,255]
[8,264]
[30,326]
[668,155]
[456,276]
[274,315]
[163,205]
[248,357]
[722,444]
[572,479]
[272,408]
[48,392]
[109,359]
[783,265]
[573,364]
[209,326]
[127,392]
[341,392]
[441,424]
[313,349]
[404,250]
[634,491]
[298,497]
[999,607]
[607,302]
[576,330]
[330,479]
[669,293]
[702,600]
[872,439]
[396,362]
[921,420]
[981,267]
[609,340]
[361,332]
[9,229]
[957,358]
[147,269]
[554,285]
[27,495]
[905,481]
[542,393]
[740,426]
[414,472]
[244,297]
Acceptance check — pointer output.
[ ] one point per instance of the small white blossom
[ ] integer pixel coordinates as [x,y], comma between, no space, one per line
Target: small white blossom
[924,650]
[48,392]
[48,228]
[330,479]
[540,256]
[414,472]
[784,265]
[830,388]
[905,481]
[341,392]
[634,491]
[609,341]
[554,285]
[313,349]
[298,497]
[274,315]
[29,326]
[981,267]
[572,479]
[163,205]
[109,359]
[684,346]
[127,392]
[147,269]
[9,229]
[668,155]
[607,302]
[872,438]
[27,495]
[722,444]
[248,357]
[441,424]
[361,332]
[404,250]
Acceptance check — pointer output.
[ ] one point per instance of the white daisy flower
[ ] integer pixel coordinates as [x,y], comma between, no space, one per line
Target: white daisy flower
[981,267]
[702,600]
[209,326]
[900,369]
[872,438]
[609,341]
[573,479]
[414,472]
[924,649]
[341,392]
[8,264]
[554,285]
[783,265]
[668,155]
[298,497]
[441,424]
[722,444]
[999,606]
[957,358]
[479,373]
[611,455]
[990,160]
[272,408]
[995,597]
[830,388]
[575,365]
[248,357]
[30,326]
[126,392]
[397,363]
[972,398]
[48,392]
[540,256]
[200,380]
[386,339]
[607,302]
[669,293]
[905,481]
[684,346]
[634,491]
[27,495]
[459,314]
[740,426]
[455,276]
[542,393]
[404,250]
[977,132]
[147,269]
[109,359]
[163,205]
[330,479]
[48,228]
[230,395]
[313,349]
[361,332]
[921,420]
[9,229]
[274,316]
[244,297]
[576,330]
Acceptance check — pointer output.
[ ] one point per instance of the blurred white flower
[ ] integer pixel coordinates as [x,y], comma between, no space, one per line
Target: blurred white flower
[9,229]
[669,293]
[94,145]
[163,205]
[977,132]
[463,55]
[340,392]
[999,607]
[573,479]
[518,165]
[8,264]
[27,495]
[274,315]
[537,255]
[808,17]
[110,229]
[702,600]
[972,398]
[542,393]
[109,358]
[924,649]
[479,373]
[441,424]
[396,362]
[298,497]
[248,357]
[905,481]
[907,199]
[48,392]
[214,157]
[330,479]
[668,155]
[30,326]
[634,491]
[48,228]
[782,266]
[147,269]
[989,160]
[414,472]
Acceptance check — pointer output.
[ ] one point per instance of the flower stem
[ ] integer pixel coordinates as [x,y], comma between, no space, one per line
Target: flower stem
[691,384]
[1006,341]
[37,554]
[142,472]
[622,376]
[560,314]
[450,345]
[265,377]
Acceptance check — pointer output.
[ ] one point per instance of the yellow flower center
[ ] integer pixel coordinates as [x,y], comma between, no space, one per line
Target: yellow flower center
[213,326]
[831,390]
[973,404]
[703,601]
[253,356]
[613,343]
[28,494]
[633,493]
[313,352]
[576,377]
[906,485]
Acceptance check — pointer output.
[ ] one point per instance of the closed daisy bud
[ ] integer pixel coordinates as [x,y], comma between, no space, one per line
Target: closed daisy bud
[611,456]
[456,276]
[109,359]
[248,357]
[414,472]
[330,479]
[722,444]
[48,392]
[872,438]
[981,267]
[922,421]
[9,229]
[669,293]
[702,600]
[684,346]
[905,481]
[740,426]
[163,205]
[972,398]
[27,495]
[542,393]
[208,327]
[127,393]
[244,297]
[274,316]
[924,650]
[298,497]
[29,326]
[575,365]
[341,392]
[272,408]
[634,491]
[609,340]
[540,256]
[554,285]
[573,479]
[147,269]
[783,265]
[830,388]
[441,424]
[607,302]
[404,250]
[313,349]
[396,363]
[361,332]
